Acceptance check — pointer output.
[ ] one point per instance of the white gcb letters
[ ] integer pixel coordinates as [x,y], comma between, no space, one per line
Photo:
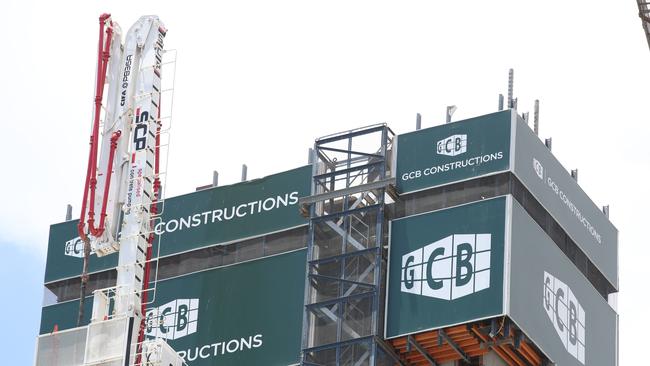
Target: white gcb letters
[173,320]
[75,248]
[566,314]
[450,268]
[452,145]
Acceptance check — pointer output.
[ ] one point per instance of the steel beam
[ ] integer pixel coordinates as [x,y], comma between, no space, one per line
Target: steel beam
[446,338]
[390,352]
[349,170]
[352,133]
[337,279]
[338,257]
[498,342]
[411,341]
[350,151]
[366,339]
[383,183]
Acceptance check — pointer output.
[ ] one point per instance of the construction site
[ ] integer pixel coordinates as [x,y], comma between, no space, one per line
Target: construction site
[463,244]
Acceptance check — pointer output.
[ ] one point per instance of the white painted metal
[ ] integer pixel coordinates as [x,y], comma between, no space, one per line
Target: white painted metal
[132,112]
[143,52]
[158,353]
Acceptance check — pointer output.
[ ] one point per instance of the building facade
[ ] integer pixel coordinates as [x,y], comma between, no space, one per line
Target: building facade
[466,243]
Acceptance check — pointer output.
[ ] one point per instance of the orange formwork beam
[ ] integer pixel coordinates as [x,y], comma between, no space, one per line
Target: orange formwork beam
[468,340]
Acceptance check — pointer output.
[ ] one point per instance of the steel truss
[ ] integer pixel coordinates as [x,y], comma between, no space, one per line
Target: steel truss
[343,317]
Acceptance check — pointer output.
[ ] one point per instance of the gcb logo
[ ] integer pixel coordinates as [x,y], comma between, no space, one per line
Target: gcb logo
[173,320]
[566,314]
[539,169]
[450,268]
[452,145]
[75,248]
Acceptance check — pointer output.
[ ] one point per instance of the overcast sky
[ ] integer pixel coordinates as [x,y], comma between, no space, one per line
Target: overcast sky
[258,81]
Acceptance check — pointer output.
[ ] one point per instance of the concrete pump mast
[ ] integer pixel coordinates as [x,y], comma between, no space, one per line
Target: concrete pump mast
[122,192]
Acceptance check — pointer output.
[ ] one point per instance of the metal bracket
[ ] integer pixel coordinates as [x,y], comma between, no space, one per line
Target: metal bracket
[410,340]
[443,335]
[346,191]
[519,337]
[390,351]
[499,342]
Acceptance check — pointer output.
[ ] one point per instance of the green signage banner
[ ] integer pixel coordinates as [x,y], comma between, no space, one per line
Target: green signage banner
[212,216]
[454,152]
[446,267]
[243,314]
[553,303]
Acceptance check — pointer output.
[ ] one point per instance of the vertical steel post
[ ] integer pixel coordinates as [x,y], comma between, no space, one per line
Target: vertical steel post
[68,213]
[450,111]
[310,156]
[511,86]
[536,118]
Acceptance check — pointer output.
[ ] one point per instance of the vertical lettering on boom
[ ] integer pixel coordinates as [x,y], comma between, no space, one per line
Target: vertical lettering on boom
[125,79]
[158,49]
[140,131]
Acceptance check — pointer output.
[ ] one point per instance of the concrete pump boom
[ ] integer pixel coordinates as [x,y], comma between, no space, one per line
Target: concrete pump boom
[121,193]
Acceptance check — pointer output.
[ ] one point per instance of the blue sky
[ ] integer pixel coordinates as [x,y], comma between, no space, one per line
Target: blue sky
[22,279]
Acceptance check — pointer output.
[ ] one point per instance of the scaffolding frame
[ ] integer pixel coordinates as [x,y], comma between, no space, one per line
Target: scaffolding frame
[346,250]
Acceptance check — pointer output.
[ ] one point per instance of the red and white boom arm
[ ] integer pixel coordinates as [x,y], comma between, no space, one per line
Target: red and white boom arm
[122,185]
[100,208]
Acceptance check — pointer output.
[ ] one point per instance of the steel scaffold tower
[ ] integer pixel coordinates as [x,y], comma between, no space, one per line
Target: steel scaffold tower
[343,317]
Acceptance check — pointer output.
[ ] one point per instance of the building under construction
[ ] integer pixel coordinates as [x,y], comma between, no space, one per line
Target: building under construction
[466,243]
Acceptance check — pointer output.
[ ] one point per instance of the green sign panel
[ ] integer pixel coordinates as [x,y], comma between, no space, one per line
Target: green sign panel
[453,152]
[553,303]
[446,267]
[244,314]
[213,216]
